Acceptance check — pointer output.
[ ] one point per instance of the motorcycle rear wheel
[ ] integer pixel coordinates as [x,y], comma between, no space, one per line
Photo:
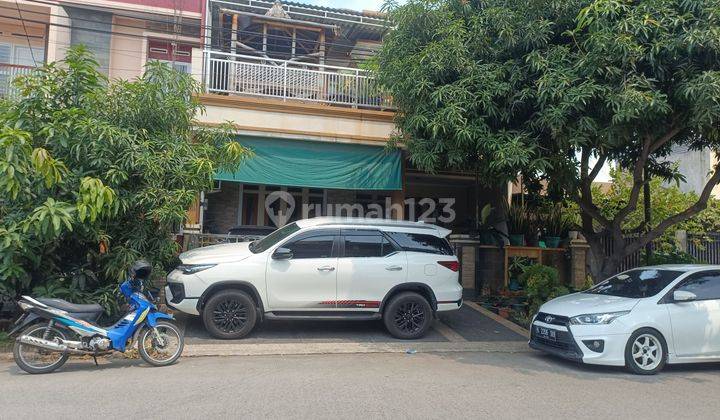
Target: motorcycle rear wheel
[162,345]
[34,359]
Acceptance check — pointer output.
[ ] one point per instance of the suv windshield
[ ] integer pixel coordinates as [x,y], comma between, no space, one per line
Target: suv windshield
[636,283]
[263,244]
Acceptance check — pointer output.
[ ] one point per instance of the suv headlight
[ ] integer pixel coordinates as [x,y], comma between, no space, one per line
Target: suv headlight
[194,268]
[595,319]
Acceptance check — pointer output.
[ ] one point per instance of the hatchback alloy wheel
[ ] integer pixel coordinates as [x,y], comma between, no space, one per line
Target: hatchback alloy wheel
[647,352]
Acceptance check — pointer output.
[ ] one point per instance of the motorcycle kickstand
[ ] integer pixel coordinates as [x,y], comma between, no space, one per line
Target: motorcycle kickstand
[95,358]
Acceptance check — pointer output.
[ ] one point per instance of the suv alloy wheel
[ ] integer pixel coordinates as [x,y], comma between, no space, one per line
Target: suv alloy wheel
[408,316]
[229,314]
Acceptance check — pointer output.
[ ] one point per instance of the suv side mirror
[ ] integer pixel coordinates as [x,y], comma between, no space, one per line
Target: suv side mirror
[282,254]
[683,296]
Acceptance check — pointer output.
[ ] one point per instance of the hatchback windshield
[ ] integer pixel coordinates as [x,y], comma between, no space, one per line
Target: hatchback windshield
[263,244]
[636,283]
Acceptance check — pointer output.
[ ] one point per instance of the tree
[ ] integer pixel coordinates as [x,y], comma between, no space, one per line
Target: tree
[666,200]
[98,173]
[545,88]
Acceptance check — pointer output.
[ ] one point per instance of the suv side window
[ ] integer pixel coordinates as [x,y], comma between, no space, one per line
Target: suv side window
[313,244]
[364,244]
[418,242]
[706,286]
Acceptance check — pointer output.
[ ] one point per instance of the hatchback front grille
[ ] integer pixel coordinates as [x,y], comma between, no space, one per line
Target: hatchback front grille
[552,319]
[555,344]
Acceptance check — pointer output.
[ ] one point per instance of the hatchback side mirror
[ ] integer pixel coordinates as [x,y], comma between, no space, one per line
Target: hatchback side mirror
[683,296]
[282,254]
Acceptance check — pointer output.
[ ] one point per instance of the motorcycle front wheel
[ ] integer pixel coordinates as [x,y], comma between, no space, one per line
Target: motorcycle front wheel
[33,359]
[161,345]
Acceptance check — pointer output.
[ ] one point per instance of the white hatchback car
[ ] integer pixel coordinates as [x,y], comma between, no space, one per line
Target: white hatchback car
[322,268]
[641,319]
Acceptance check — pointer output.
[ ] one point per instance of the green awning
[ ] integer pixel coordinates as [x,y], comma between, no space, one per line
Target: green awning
[314,164]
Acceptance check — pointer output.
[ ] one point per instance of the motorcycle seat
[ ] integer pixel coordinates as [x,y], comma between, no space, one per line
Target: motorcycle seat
[91,310]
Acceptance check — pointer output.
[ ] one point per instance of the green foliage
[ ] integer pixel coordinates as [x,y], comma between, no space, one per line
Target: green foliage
[672,257]
[517,266]
[509,87]
[666,199]
[542,283]
[555,220]
[95,174]
[518,219]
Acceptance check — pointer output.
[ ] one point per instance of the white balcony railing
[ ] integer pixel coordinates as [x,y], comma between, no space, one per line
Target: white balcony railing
[235,74]
[8,72]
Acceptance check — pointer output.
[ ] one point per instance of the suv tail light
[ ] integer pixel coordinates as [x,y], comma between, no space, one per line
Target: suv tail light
[452,265]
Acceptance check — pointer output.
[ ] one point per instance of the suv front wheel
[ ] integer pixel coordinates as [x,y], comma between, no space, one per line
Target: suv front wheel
[229,314]
[408,316]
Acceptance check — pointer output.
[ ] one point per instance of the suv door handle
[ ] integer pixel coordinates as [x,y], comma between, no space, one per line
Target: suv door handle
[326,268]
[393,268]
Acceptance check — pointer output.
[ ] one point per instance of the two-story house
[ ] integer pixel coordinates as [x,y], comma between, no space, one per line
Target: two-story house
[291,77]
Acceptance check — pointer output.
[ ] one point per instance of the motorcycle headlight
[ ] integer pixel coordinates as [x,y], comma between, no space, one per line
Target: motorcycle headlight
[194,268]
[596,319]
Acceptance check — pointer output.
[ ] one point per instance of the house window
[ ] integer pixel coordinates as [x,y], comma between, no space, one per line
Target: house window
[178,56]
[21,55]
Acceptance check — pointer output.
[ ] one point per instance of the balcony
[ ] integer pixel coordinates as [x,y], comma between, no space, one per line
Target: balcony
[8,72]
[235,74]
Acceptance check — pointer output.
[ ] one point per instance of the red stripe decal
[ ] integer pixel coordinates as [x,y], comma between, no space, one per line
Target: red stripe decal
[353,303]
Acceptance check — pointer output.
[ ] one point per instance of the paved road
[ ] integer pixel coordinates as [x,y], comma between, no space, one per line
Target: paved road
[471,385]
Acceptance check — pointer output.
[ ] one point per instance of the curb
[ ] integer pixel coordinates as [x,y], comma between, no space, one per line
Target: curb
[298,349]
[199,350]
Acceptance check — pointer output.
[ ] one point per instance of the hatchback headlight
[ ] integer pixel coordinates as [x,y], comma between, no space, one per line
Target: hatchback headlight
[194,268]
[595,319]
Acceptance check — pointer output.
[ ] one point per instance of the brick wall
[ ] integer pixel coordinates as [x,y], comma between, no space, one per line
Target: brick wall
[222,209]
[491,268]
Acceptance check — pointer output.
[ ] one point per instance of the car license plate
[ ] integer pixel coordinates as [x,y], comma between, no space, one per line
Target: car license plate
[546,333]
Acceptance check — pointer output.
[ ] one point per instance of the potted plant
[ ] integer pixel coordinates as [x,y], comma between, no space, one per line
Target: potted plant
[555,224]
[517,224]
[517,266]
[487,233]
[532,238]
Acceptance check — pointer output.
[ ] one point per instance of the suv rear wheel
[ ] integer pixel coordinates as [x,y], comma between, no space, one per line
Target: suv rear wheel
[408,316]
[229,314]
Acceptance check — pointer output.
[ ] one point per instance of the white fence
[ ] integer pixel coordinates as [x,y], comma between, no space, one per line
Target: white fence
[8,72]
[258,76]
[198,240]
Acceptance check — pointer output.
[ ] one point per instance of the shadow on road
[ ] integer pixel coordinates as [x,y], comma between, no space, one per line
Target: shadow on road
[536,363]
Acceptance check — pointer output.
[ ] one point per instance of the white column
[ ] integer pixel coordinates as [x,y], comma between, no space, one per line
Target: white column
[58,34]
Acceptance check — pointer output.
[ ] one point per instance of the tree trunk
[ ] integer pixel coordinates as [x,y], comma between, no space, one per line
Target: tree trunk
[601,265]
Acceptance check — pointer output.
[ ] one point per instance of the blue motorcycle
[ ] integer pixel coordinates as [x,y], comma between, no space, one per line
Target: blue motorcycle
[54,329]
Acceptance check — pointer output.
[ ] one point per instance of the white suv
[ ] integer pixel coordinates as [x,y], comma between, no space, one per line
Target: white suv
[322,268]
